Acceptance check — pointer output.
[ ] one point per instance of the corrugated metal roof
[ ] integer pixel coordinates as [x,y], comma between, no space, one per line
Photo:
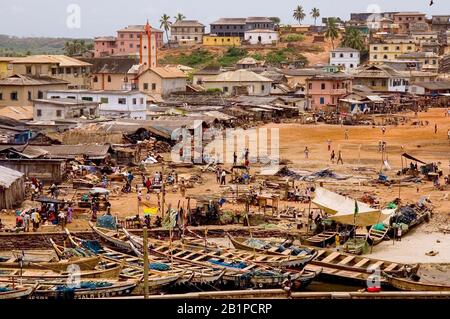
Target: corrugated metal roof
[71,151]
[8,176]
[238,76]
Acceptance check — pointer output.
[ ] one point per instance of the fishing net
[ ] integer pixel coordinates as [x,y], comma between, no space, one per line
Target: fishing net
[5,289]
[239,265]
[159,266]
[257,243]
[170,220]
[379,227]
[84,285]
[106,221]
[92,245]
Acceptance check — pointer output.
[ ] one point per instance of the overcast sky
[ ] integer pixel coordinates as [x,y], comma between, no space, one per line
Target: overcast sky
[104,17]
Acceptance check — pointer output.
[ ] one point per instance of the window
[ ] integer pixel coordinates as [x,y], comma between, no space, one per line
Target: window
[68,70]
[351,55]
[145,86]
[71,97]
[351,65]
[409,47]
[1,96]
[40,95]
[109,78]
[386,48]
[375,48]
[91,111]
[309,86]
[262,88]
[122,35]
[39,113]
[131,46]
[87,98]
[225,88]
[104,100]
[122,100]
[134,101]
[375,57]
[341,55]
[95,79]
[14,96]
[131,35]
[153,86]
[397,48]
[322,86]
[385,57]
[54,71]
[58,113]
[322,100]
[28,69]
[141,100]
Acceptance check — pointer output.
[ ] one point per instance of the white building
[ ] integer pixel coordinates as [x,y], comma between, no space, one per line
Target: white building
[348,58]
[261,36]
[63,109]
[125,104]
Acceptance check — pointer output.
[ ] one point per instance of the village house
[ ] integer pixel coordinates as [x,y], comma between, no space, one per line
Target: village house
[297,77]
[430,88]
[326,89]
[127,42]
[214,40]
[63,109]
[390,49]
[20,90]
[381,78]
[162,81]
[12,188]
[120,103]
[428,61]
[114,73]
[187,32]
[5,67]
[239,82]
[74,71]
[247,63]
[440,23]
[236,27]
[261,36]
[347,58]
[207,72]
[411,21]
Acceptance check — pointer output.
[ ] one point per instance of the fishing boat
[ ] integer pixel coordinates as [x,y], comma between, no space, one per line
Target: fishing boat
[240,269]
[134,265]
[14,291]
[115,238]
[88,263]
[322,239]
[336,266]
[422,277]
[378,234]
[86,289]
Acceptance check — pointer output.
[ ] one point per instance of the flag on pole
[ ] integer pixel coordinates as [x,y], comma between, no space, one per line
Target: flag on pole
[151,211]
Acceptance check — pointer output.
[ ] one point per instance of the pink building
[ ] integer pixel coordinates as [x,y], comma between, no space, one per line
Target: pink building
[127,41]
[326,90]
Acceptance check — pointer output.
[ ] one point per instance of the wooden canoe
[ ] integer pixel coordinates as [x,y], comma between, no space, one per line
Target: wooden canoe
[113,237]
[15,292]
[377,236]
[322,239]
[88,263]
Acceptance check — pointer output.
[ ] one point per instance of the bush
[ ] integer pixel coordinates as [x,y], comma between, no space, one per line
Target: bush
[231,56]
[214,91]
[293,37]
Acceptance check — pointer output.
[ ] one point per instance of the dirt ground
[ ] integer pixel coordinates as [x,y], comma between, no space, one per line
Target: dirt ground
[359,151]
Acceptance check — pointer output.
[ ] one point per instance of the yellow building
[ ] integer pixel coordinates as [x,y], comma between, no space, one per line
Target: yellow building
[381,52]
[221,41]
[5,67]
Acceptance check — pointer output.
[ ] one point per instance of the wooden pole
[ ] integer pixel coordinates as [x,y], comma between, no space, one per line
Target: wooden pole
[145,242]
[163,190]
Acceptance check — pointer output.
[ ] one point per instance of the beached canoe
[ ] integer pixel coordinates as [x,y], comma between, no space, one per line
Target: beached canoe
[88,263]
[14,291]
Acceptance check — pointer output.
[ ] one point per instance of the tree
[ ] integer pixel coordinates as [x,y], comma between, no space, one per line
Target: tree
[179,17]
[332,31]
[165,24]
[315,13]
[353,38]
[299,14]
[76,47]
[276,21]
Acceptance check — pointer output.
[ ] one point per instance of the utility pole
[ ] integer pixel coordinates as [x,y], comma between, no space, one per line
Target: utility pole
[145,248]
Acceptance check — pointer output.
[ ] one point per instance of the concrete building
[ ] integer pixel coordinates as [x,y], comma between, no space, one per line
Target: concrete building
[327,89]
[122,103]
[381,78]
[236,27]
[261,36]
[114,73]
[20,90]
[207,72]
[5,67]
[187,31]
[347,58]
[390,49]
[239,82]
[429,61]
[440,23]
[63,109]
[162,81]
[411,21]
[430,88]
[127,42]
[74,71]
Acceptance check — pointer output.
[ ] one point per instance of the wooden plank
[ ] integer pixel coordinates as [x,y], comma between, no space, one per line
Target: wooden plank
[331,257]
[346,260]
[362,262]
[391,267]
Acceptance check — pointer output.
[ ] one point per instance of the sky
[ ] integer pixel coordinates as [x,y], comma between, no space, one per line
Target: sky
[90,18]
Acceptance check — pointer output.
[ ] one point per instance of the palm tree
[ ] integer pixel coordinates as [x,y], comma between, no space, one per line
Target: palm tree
[165,24]
[353,38]
[332,31]
[299,14]
[315,13]
[179,17]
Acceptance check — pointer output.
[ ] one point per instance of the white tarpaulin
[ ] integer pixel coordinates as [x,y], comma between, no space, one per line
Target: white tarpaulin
[342,209]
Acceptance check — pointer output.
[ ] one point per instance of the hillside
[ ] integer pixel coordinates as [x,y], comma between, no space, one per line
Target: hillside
[13,46]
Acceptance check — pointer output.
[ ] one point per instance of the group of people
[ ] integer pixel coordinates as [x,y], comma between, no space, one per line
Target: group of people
[48,213]
[221,176]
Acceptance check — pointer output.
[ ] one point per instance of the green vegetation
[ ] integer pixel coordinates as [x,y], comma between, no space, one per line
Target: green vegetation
[293,37]
[257,56]
[77,47]
[353,38]
[15,46]
[299,14]
[197,58]
[279,56]
[214,91]
[231,56]
[332,31]
[165,24]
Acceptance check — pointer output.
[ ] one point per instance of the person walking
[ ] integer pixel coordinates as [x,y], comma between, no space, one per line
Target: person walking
[399,233]
[218,174]
[69,214]
[223,176]
[340,158]
[435,128]
[333,156]
[329,144]
[346,134]
[183,189]
[234,158]
[306,152]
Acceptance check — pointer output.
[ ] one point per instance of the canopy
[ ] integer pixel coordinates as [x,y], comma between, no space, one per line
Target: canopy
[342,209]
[99,190]
[405,155]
